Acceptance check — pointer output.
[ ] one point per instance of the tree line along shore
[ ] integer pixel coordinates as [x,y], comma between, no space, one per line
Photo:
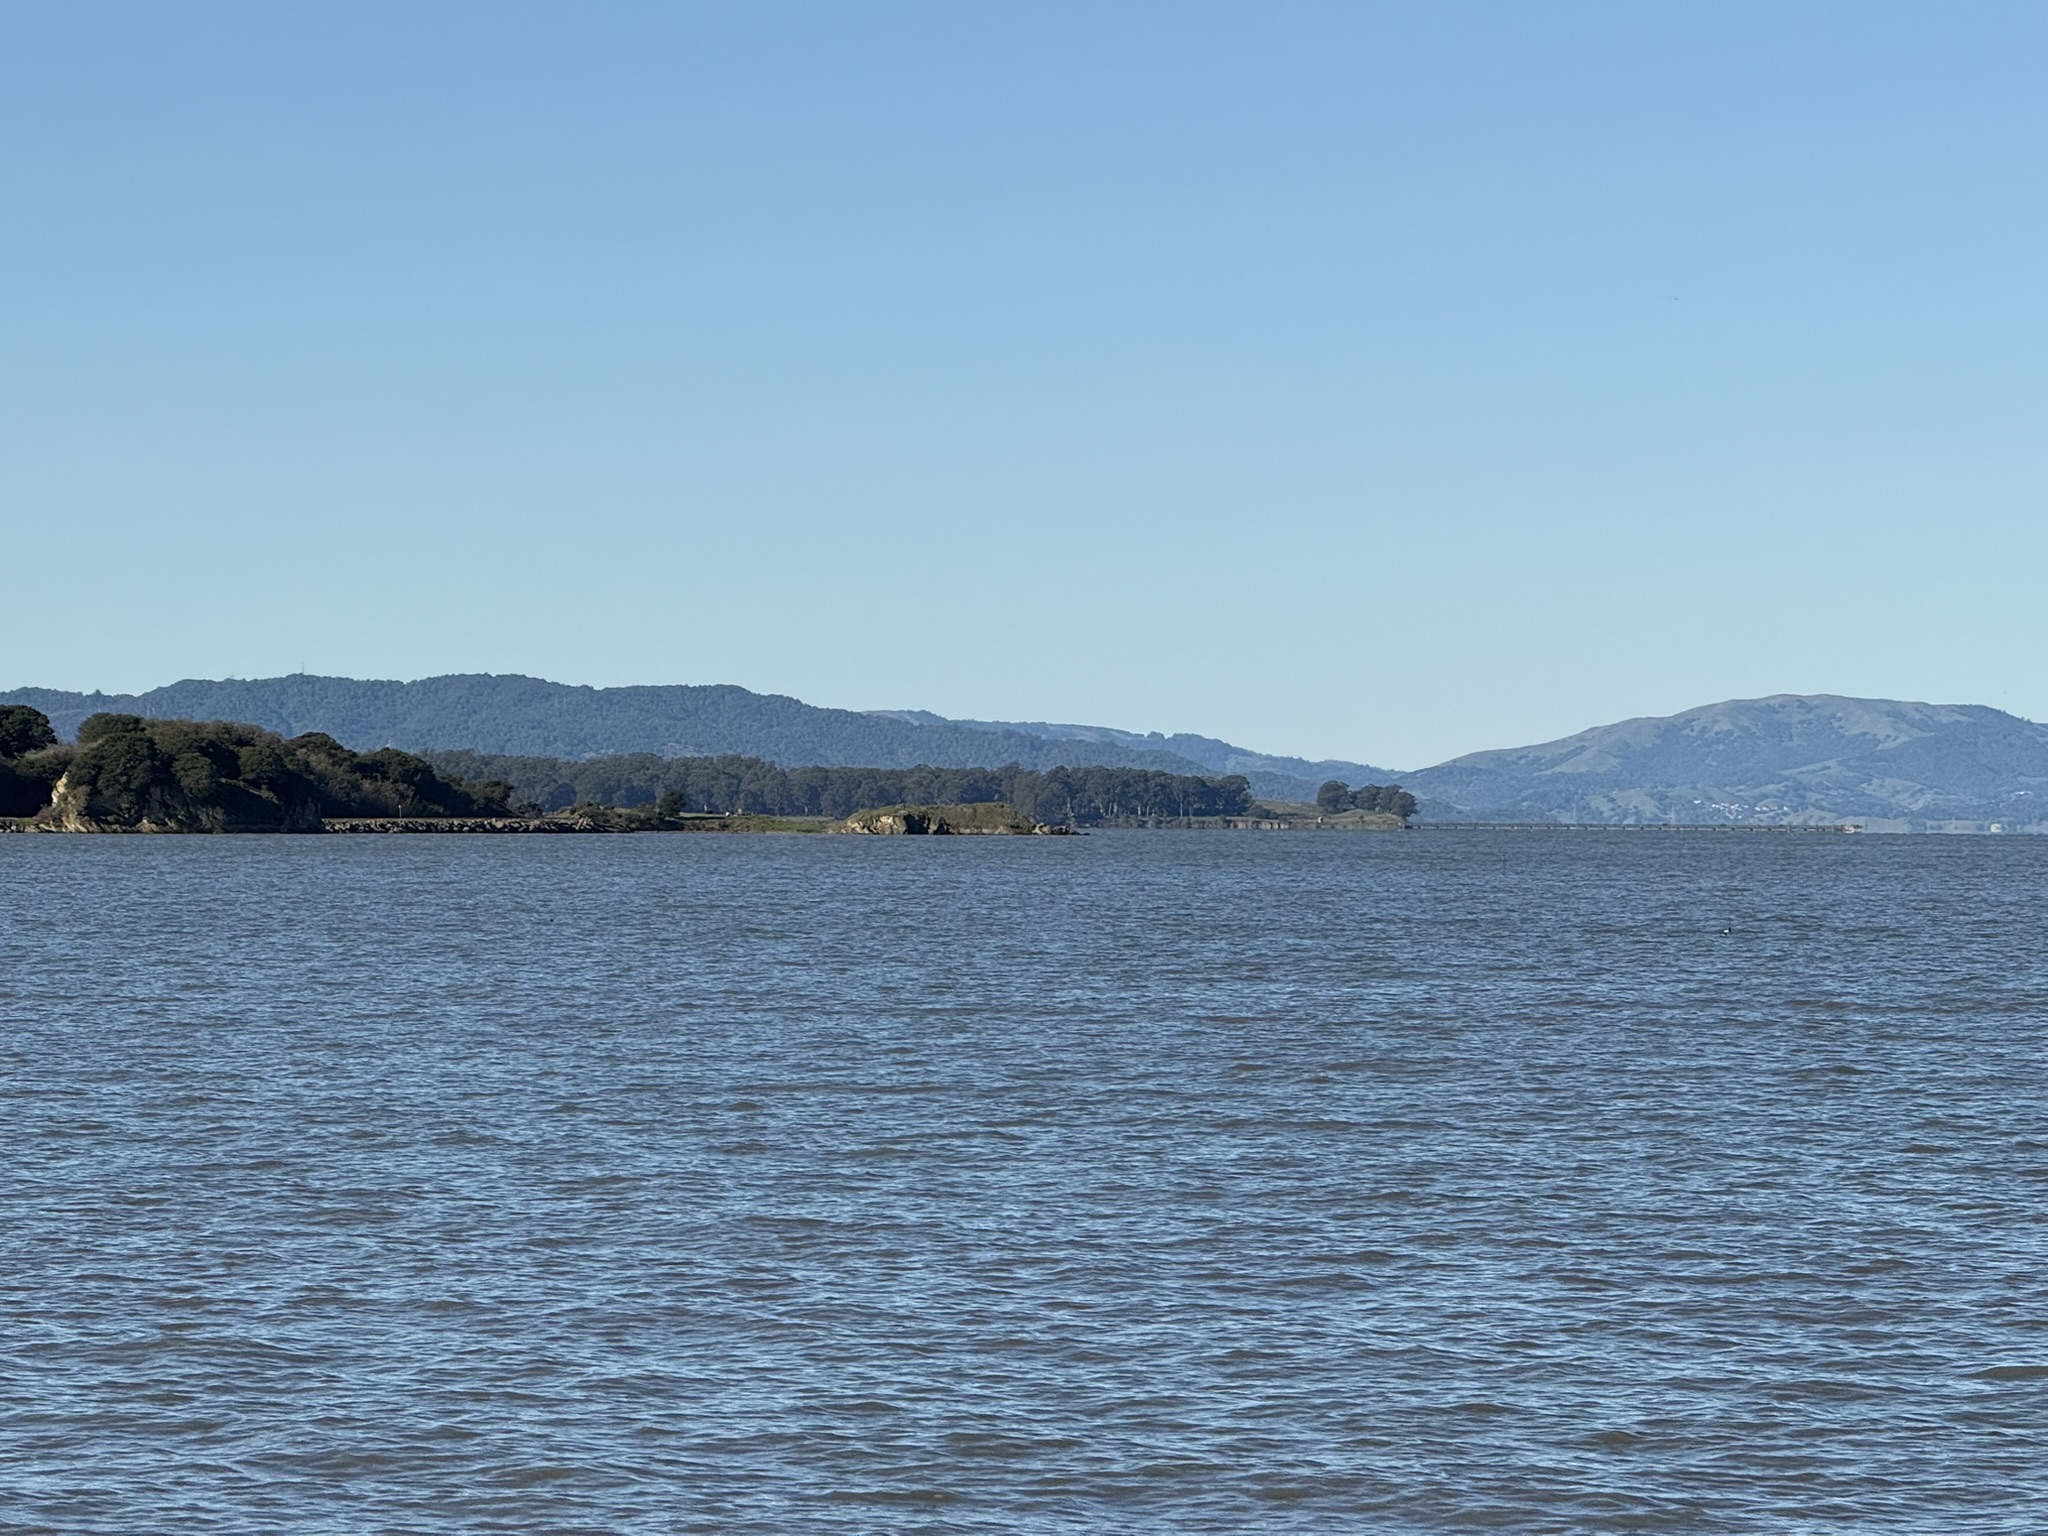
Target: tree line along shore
[132,773]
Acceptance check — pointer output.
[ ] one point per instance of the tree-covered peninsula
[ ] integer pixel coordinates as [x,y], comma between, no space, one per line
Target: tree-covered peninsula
[1067,797]
[131,773]
[127,773]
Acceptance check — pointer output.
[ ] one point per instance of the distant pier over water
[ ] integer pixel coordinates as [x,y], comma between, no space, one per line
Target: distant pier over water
[1624,826]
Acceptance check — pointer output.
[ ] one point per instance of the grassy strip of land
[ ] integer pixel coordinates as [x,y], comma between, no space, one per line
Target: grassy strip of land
[580,819]
[1296,815]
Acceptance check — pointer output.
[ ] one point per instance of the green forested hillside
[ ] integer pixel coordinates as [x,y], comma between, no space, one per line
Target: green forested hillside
[126,772]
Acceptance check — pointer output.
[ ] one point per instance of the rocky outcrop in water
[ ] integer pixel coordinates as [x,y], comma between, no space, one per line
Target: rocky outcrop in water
[942,820]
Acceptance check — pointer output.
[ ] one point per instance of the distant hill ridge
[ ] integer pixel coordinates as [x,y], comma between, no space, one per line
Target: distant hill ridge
[519,716]
[1788,759]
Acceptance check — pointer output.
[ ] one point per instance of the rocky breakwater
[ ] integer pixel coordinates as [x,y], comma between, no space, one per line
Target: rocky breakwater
[460,824]
[945,820]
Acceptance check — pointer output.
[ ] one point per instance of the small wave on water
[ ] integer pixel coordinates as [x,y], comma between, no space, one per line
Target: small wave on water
[1151,1181]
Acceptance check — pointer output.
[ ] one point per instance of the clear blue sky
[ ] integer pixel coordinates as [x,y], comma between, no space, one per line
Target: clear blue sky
[1376,381]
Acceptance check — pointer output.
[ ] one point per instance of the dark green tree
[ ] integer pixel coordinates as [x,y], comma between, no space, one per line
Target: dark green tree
[21,794]
[95,727]
[1388,799]
[124,776]
[24,730]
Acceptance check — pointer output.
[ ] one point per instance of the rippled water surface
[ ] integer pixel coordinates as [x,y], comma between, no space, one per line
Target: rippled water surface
[1167,1181]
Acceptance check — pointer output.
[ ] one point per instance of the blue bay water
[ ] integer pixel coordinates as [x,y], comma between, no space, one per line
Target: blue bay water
[1168,1181]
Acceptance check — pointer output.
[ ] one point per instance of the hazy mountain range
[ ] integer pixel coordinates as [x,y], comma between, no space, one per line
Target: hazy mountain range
[1787,759]
[526,716]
